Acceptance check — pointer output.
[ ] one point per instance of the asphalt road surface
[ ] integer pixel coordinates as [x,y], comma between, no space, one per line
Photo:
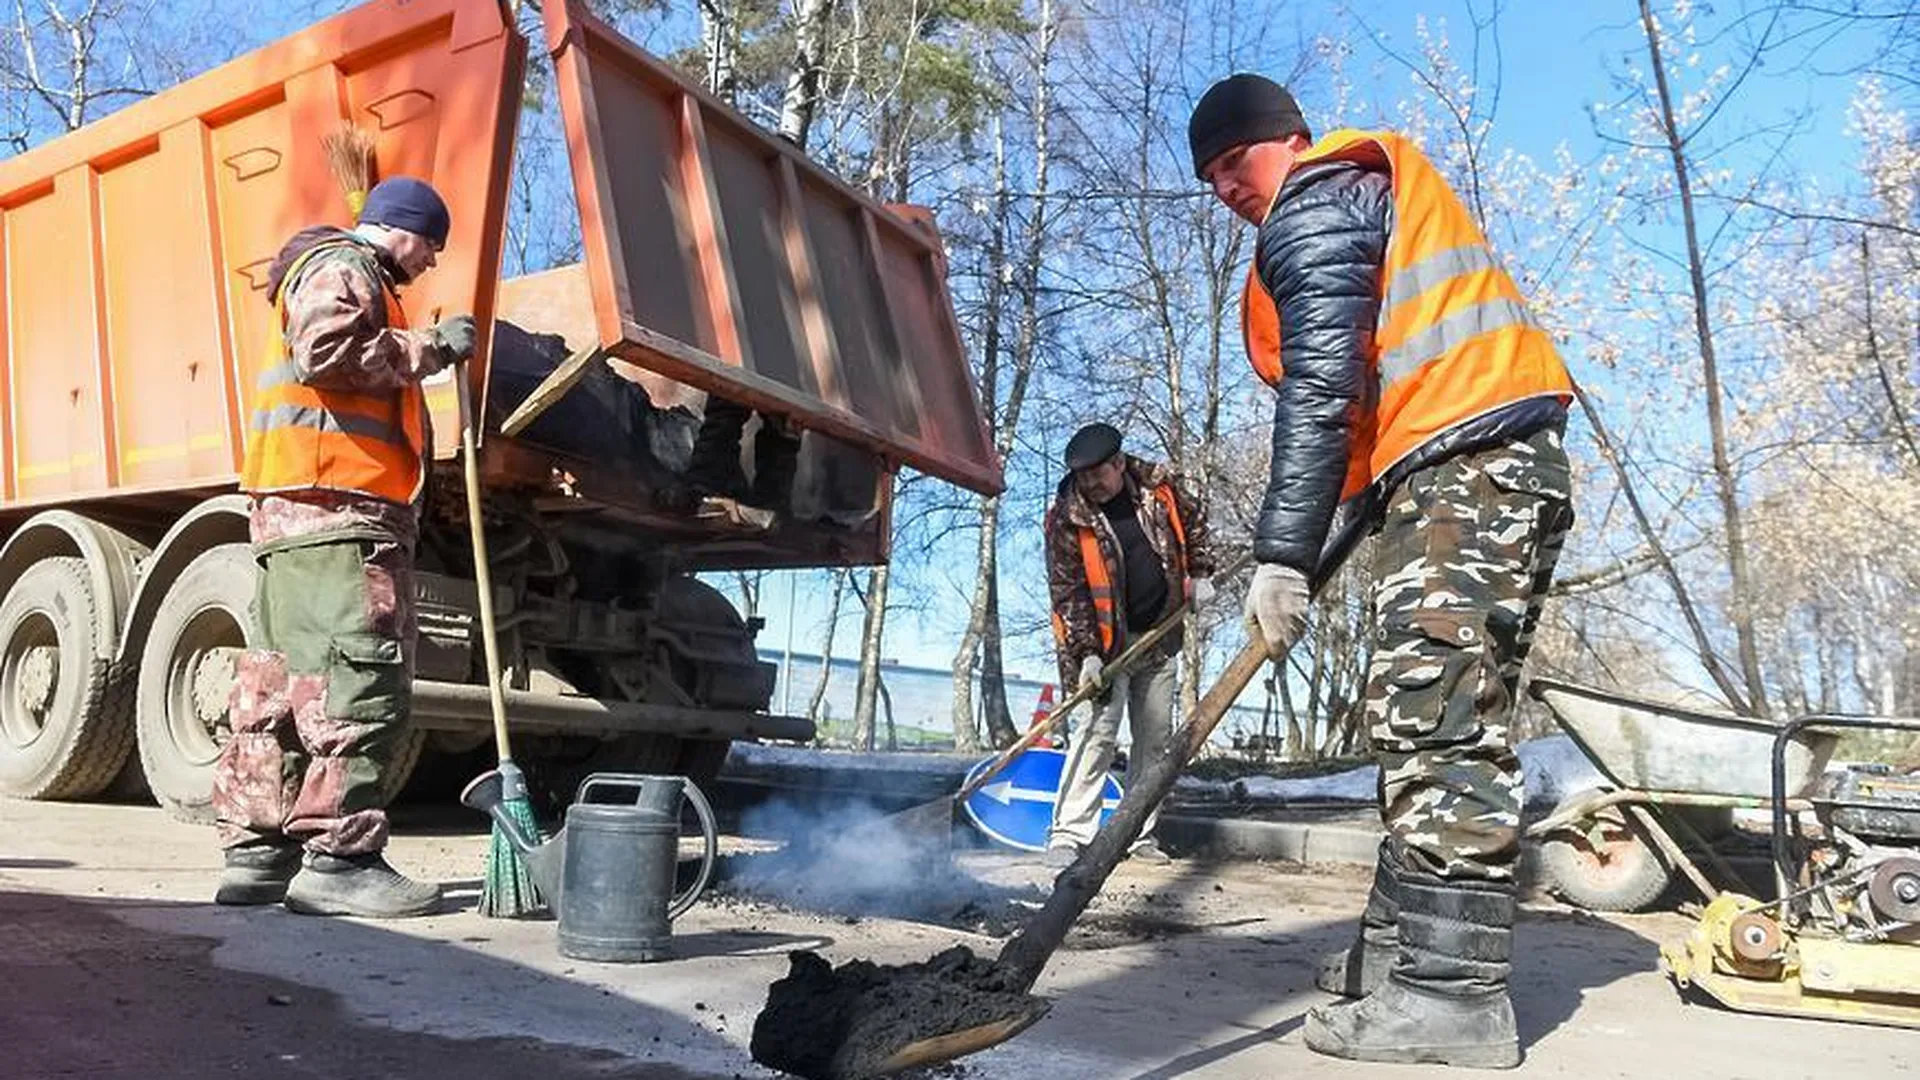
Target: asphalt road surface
[114,965]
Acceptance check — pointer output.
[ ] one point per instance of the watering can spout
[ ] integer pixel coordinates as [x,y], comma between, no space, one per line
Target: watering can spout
[489,793]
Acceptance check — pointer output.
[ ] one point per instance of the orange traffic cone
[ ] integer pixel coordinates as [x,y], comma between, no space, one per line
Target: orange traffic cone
[1041,710]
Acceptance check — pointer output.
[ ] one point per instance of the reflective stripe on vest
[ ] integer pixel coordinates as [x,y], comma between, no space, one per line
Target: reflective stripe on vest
[1100,583]
[1454,339]
[302,437]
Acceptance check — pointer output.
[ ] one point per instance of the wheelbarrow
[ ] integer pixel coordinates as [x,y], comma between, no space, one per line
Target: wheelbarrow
[1673,776]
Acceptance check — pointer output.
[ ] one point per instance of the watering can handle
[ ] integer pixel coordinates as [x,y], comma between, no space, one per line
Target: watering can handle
[709,832]
[710,835]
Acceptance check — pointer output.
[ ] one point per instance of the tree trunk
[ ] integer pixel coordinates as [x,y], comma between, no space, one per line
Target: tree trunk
[718,39]
[826,652]
[1709,659]
[1725,481]
[993,673]
[802,98]
[871,634]
[966,660]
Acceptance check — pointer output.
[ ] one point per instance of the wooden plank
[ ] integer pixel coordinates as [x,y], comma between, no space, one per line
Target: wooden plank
[552,388]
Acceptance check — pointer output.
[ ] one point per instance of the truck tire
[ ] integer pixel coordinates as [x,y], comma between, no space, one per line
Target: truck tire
[63,717]
[186,677]
[1605,863]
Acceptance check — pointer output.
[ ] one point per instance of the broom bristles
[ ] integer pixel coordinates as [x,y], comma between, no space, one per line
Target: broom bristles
[508,890]
[350,159]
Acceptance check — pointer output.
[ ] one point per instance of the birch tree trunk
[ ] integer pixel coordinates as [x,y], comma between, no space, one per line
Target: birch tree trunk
[826,651]
[803,82]
[993,673]
[719,40]
[872,631]
[1726,483]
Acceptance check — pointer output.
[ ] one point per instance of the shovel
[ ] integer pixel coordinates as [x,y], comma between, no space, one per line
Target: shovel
[931,823]
[862,1020]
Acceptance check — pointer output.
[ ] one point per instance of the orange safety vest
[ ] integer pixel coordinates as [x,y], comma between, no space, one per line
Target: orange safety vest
[305,438]
[1100,583]
[1454,339]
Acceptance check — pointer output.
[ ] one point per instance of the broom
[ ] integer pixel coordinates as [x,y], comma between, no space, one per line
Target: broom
[507,891]
[350,159]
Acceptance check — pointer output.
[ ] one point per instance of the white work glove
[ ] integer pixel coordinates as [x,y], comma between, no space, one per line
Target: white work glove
[1090,669]
[1277,607]
[1201,591]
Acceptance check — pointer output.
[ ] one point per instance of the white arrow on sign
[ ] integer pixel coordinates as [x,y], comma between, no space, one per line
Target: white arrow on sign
[1004,793]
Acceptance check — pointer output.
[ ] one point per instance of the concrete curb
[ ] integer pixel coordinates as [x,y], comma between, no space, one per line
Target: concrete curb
[1294,841]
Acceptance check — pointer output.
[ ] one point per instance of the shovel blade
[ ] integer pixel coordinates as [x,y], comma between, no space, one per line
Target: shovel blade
[940,1049]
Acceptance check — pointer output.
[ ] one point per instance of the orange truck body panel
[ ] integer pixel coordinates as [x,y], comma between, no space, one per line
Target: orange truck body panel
[133,318]
[722,257]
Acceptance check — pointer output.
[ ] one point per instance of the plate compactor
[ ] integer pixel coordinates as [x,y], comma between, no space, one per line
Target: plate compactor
[1842,939]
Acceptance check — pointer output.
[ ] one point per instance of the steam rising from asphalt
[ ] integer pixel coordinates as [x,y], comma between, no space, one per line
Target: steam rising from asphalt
[851,860]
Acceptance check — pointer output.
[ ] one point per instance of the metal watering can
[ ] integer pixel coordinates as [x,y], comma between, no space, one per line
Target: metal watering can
[608,874]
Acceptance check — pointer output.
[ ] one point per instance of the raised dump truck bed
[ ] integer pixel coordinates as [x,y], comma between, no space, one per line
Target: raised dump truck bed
[718,259]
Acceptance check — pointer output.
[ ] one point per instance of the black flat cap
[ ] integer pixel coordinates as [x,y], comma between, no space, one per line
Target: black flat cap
[1092,445]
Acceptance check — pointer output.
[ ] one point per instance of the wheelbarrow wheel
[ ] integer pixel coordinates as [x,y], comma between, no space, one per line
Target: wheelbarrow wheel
[1605,862]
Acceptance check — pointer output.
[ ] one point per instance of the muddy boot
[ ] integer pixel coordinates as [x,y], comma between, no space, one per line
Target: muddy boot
[1357,969]
[1445,1001]
[257,871]
[361,885]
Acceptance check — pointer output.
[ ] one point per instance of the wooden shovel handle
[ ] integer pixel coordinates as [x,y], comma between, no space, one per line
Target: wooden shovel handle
[1128,657]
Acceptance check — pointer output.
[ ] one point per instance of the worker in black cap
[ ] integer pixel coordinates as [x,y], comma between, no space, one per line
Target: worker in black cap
[1408,374]
[1126,544]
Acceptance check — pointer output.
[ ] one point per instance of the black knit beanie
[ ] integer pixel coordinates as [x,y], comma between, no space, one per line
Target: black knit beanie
[1240,109]
[402,202]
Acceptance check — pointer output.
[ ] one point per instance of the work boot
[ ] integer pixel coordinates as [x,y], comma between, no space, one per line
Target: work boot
[1357,969]
[1060,856]
[257,871]
[1445,1002]
[363,885]
[1150,853]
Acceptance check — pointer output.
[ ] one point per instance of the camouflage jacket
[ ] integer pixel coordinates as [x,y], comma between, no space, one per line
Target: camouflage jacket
[340,337]
[1076,630]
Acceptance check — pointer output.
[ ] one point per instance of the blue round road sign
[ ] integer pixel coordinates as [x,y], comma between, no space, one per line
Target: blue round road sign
[1016,807]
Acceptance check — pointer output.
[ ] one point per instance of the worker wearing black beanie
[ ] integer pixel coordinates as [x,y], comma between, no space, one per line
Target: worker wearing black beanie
[1241,109]
[1403,359]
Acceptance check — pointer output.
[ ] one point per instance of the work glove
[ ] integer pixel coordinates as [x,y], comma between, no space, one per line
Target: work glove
[1277,607]
[454,338]
[1200,590]
[1090,669]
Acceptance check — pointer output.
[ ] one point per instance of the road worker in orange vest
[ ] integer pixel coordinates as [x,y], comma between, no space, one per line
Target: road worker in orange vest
[336,461]
[1406,370]
[1126,545]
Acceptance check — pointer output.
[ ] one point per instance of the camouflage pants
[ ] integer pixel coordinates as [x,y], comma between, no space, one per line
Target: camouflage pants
[319,707]
[1463,560]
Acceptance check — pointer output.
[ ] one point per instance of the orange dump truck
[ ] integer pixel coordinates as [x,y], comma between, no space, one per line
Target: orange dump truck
[718,260]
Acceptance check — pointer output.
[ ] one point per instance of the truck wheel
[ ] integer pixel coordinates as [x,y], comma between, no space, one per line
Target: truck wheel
[186,675]
[186,680]
[63,729]
[1604,863]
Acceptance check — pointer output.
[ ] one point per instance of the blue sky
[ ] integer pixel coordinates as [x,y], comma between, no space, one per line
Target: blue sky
[1555,61]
